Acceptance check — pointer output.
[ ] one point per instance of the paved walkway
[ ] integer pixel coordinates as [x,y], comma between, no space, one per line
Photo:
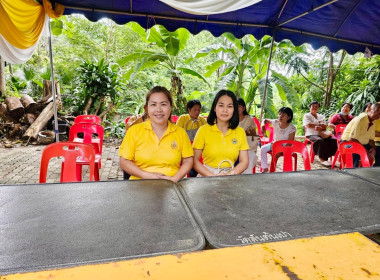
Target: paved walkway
[21,165]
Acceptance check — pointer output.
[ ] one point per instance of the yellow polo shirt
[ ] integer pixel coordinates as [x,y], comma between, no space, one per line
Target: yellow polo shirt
[377,128]
[358,129]
[142,146]
[183,119]
[218,147]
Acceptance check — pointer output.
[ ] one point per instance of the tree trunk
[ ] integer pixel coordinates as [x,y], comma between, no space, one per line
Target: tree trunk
[40,122]
[15,108]
[2,77]
[29,104]
[88,106]
[331,77]
[99,105]
[28,118]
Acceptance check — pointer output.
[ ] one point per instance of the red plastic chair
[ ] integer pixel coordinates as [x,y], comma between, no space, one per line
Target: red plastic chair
[258,126]
[92,134]
[126,121]
[88,119]
[174,118]
[338,134]
[70,151]
[265,140]
[287,149]
[346,149]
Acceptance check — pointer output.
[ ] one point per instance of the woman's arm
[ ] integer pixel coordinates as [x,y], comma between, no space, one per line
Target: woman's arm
[198,166]
[243,163]
[131,168]
[292,136]
[186,165]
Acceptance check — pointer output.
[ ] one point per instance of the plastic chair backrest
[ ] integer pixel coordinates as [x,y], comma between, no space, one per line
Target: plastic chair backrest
[88,119]
[286,148]
[174,118]
[258,125]
[339,131]
[126,120]
[88,130]
[346,149]
[70,151]
[269,128]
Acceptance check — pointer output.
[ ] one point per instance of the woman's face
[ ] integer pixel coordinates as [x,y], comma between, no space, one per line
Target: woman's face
[224,108]
[314,108]
[241,109]
[346,109]
[283,117]
[194,111]
[158,108]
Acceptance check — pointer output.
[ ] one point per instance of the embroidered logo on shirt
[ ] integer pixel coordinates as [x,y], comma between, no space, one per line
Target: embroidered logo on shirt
[174,145]
[234,141]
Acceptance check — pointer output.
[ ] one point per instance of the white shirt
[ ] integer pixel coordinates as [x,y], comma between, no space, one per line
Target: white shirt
[282,133]
[310,119]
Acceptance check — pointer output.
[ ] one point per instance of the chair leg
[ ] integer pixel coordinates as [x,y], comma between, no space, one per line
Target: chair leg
[79,172]
[312,155]
[96,173]
[337,154]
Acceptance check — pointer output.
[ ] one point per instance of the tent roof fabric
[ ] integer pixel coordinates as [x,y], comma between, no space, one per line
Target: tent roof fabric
[352,25]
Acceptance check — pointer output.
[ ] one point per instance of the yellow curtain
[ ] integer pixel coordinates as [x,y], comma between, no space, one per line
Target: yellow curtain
[22,21]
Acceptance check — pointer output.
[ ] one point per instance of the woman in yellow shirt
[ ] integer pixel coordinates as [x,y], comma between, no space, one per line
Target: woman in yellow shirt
[191,121]
[221,141]
[156,148]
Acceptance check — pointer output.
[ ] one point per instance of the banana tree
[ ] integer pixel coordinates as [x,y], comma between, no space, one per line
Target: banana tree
[163,50]
[244,66]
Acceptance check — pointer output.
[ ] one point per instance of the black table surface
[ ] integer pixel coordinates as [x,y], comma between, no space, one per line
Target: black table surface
[250,209]
[369,174]
[55,225]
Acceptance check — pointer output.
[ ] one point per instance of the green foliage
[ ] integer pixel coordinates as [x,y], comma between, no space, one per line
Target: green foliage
[114,129]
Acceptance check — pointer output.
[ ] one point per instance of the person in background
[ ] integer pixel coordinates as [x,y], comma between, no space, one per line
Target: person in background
[343,117]
[367,107]
[221,141]
[362,129]
[193,109]
[247,123]
[191,122]
[156,148]
[377,142]
[324,145]
[282,130]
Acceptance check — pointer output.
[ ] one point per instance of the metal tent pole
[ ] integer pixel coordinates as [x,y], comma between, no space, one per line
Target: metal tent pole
[266,80]
[53,86]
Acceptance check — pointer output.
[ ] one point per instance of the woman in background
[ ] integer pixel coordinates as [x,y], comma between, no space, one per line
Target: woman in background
[282,130]
[248,124]
[221,141]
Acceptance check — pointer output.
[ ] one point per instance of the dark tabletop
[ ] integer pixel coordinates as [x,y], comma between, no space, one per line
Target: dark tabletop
[54,225]
[370,174]
[249,209]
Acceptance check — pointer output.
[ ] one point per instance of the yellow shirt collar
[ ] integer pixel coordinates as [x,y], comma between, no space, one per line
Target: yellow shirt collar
[216,129]
[171,127]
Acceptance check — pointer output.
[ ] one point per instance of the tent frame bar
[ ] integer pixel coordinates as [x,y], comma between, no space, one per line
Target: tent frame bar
[308,12]
[275,28]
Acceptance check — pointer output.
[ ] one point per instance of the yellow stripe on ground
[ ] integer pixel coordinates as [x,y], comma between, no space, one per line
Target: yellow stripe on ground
[345,256]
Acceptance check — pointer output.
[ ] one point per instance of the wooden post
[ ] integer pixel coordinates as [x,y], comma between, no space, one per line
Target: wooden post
[2,77]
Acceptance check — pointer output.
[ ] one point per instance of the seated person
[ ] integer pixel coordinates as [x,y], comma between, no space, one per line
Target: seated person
[282,129]
[315,126]
[156,148]
[221,141]
[362,129]
[192,121]
[247,123]
[343,117]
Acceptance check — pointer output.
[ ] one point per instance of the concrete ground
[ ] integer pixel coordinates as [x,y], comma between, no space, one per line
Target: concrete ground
[21,165]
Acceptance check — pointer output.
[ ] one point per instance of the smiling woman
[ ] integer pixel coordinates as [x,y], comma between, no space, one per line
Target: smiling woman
[157,148]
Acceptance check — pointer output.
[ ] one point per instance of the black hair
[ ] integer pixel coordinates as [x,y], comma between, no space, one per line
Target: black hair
[191,103]
[234,121]
[241,102]
[349,104]
[288,111]
[314,102]
[366,105]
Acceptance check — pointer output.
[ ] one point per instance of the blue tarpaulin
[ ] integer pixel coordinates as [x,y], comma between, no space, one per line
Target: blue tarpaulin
[352,25]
